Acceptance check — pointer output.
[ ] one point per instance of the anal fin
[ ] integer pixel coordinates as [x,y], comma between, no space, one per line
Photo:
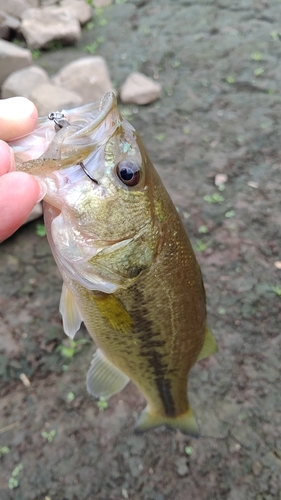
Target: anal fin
[209,346]
[70,314]
[103,378]
[186,422]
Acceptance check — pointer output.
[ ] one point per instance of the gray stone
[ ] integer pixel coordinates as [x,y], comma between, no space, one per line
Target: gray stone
[18,7]
[80,9]
[42,26]
[22,82]
[88,76]
[12,58]
[48,97]
[139,89]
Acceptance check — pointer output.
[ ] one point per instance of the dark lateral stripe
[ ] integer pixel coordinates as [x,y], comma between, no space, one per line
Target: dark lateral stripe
[150,343]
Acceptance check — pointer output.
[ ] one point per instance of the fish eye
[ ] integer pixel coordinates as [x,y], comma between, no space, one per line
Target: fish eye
[128,172]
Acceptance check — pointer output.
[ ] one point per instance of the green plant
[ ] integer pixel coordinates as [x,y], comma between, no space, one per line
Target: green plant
[160,137]
[201,246]
[4,450]
[276,289]
[94,46]
[102,404]
[73,347]
[40,230]
[188,450]
[36,54]
[13,481]
[49,436]
[214,198]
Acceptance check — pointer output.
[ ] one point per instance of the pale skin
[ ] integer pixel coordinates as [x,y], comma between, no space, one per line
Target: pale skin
[19,192]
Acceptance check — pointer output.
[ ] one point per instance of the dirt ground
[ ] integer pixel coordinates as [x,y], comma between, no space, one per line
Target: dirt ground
[219,64]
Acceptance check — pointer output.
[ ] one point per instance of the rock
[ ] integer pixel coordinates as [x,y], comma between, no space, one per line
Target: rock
[48,97]
[80,9]
[18,7]
[139,89]
[37,211]
[22,82]
[41,26]
[88,76]
[102,3]
[182,468]
[12,58]
[4,29]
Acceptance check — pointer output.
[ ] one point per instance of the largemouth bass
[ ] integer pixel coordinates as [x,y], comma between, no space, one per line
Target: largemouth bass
[128,268]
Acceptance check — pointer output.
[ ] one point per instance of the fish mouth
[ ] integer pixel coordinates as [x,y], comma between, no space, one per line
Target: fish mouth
[84,129]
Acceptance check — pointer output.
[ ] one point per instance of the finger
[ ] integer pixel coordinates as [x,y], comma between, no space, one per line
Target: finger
[18,117]
[7,161]
[19,192]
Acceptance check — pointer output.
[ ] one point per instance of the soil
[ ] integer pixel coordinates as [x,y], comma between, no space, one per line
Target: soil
[219,65]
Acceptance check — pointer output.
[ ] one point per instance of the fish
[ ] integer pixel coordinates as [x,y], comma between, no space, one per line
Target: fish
[128,268]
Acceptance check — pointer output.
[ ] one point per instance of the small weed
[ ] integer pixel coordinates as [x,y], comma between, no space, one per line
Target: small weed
[13,481]
[144,30]
[229,214]
[203,229]
[257,56]
[73,347]
[55,45]
[102,404]
[40,230]
[274,35]
[176,63]
[36,54]
[70,396]
[49,436]
[214,198]
[94,46]
[221,311]
[100,18]
[90,25]
[160,137]
[201,246]
[188,450]
[259,71]
[230,79]
[186,130]
[119,2]
[276,289]
[4,450]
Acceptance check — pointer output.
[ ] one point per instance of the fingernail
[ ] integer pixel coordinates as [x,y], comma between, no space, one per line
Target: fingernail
[43,189]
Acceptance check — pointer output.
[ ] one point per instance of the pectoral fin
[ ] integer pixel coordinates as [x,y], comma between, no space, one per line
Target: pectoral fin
[103,378]
[186,422]
[209,346]
[70,314]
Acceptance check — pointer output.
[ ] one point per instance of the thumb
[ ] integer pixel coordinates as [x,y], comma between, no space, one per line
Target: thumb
[18,117]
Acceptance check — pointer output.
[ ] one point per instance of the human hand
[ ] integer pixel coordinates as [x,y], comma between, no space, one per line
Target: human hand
[19,192]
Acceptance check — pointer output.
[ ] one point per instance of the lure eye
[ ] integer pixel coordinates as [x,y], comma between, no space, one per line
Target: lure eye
[128,172]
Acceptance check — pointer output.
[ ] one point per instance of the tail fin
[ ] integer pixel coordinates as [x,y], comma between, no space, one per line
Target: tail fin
[186,422]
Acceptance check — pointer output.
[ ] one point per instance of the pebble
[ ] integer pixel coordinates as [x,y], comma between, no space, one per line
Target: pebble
[88,76]
[23,81]
[139,89]
[48,97]
[182,468]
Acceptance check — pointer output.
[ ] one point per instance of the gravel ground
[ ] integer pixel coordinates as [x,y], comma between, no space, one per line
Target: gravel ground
[219,64]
